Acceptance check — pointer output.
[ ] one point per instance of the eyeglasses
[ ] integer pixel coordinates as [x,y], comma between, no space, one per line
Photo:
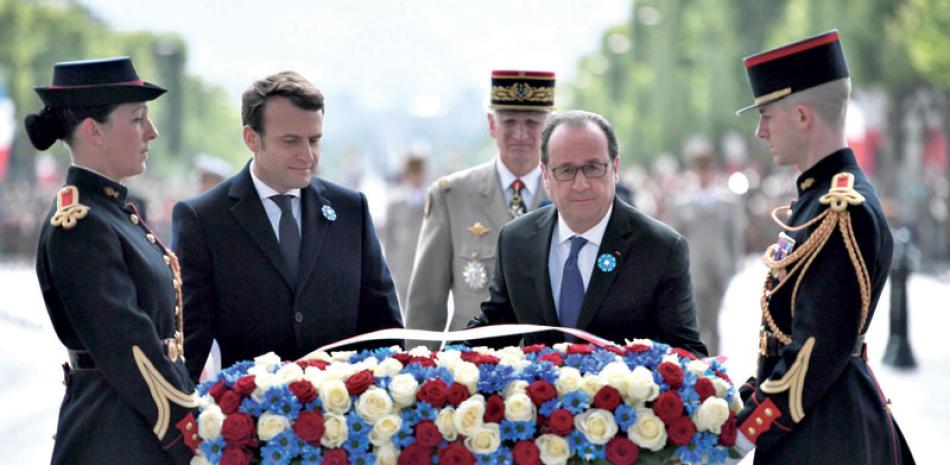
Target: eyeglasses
[591,171]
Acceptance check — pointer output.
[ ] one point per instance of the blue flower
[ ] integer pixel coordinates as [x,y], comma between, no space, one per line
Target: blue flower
[426,411]
[574,360]
[625,416]
[591,452]
[576,440]
[213,449]
[576,402]
[502,456]
[404,436]
[251,407]
[494,378]
[281,449]
[702,445]
[281,401]
[545,371]
[310,455]
[484,459]
[718,454]
[356,445]
[410,417]
[523,430]
[362,458]
[357,427]
[550,406]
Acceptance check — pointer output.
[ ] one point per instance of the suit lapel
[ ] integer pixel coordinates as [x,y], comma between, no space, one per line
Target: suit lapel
[249,213]
[314,228]
[540,247]
[617,243]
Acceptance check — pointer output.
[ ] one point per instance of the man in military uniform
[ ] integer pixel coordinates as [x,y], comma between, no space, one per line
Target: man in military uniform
[465,210]
[815,399]
[404,213]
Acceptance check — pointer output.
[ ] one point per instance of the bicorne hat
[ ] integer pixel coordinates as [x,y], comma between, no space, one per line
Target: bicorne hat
[780,72]
[522,90]
[105,81]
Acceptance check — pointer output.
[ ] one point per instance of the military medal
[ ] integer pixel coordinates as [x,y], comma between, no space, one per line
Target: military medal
[783,246]
[606,262]
[475,274]
[328,212]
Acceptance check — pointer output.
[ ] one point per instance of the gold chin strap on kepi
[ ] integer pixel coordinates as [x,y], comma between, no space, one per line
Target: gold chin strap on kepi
[838,198]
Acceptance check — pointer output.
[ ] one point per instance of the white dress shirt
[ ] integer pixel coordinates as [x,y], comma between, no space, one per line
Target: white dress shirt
[561,249]
[271,208]
[531,182]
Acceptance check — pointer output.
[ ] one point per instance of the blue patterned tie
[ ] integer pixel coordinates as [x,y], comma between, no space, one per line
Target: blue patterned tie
[288,233]
[572,287]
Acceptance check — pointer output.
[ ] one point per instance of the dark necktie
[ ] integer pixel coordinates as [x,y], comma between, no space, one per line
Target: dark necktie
[288,234]
[516,207]
[572,287]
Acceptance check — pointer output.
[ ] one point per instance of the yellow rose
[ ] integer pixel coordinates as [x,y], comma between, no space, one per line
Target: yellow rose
[373,404]
[209,422]
[518,407]
[335,397]
[335,431]
[554,449]
[711,415]
[598,425]
[641,387]
[386,455]
[446,423]
[403,389]
[568,380]
[466,374]
[270,425]
[485,439]
[468,415]
[384,429]
[648,432]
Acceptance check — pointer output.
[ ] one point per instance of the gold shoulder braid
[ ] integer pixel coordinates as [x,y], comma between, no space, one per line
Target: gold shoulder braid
[838,198]
[68,208]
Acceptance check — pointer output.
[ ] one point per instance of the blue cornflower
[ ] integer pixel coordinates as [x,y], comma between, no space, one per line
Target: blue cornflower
[382,353]
[625,416]
[576,440]
[382,382]
[574,360]
[314,405]
[545,371]
[404,436]
[213,449]
[410,416]
[362,458]
[355,445]
[550,406]
[502,456]
[281,449]
[484,459]
[357,427]
[494,378]
[310,455]
[648,358]
[507,430]
[718,454]
[576,402]
[251,407]
[523,430]
[359,356]
[426,411]
[591,452]
[281,401]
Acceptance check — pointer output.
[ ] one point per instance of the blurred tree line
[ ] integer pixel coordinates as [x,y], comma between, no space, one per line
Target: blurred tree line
[675,69]
[192,117]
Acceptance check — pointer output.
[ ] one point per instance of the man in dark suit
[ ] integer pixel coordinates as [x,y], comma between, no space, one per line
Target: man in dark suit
[274,259]
[591,261]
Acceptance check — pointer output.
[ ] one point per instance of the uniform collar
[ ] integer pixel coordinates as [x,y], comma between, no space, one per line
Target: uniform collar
[91,181]
[822,172]
[506,177]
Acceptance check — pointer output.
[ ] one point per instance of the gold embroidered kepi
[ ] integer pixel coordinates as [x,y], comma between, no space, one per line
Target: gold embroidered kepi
[777,73]
[522,90]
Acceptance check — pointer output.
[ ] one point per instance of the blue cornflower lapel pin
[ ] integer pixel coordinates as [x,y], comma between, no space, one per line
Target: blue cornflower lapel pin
[606,262]
[328,212]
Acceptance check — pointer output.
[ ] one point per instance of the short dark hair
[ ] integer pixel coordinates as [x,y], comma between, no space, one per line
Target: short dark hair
[288,84]
[579,118]
[51,124]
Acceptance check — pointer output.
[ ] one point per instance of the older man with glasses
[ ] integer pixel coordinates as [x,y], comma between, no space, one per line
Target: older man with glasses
[590,261]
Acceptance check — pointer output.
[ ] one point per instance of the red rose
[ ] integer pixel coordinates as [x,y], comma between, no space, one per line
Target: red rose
[455,454]
[727,435]
[230,402]
[684,353]
[532,348]
[413,454]
[489,359]
[457,394]
[245,386]
[238,428]
[236,456]
[428,434]
[470,356]
[561,422]
[335,457]
[672,374]
[360,382]
[494,409]
[541,391]
[669,407]
[318,364]
[607,398]
[681,431]
[434,392]
[636,348]
[303,390]
[527,453]
[218,390]
[579,349]
[554,357]
[704,387]
[622,451]
[402,357]
[309,427]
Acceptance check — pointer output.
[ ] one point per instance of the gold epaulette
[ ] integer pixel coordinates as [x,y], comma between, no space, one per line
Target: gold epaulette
[443,184]
[842,193]
[68,208]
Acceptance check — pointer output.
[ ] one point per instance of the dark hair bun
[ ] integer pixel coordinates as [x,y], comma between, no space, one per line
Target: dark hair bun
[43,128]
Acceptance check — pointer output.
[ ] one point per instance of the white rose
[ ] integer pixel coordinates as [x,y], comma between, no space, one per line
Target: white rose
[386,454]
[468,415]
[321,355]
[267,362]
[373,404]
[568,380]
[445,421]
[518,407]
[736,405]
[485,439]
[335,397]
[340,371]
[366,364]
[560,347]
[484,350]
[711,415]
[314,375]
[466,374]
[518,386]
[420,351]
[510,355]
[554,449]
[592,383]
[342,356]
[641,387]
[389,367]
[642,342]
[265,381]
[722,387]
[672,358]
[384,429]
[270,425]
[205,401]
[289,373]
[448,359]
[648,432]
[403,389]
[335,431]
[697,367]
[199,459]
[597,424]
[209,422]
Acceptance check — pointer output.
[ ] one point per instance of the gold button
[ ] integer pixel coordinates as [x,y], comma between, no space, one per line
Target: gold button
[134,218]
[190,426]
[768,412]
[150,237]
[751,431]
[168,260]
[758,421]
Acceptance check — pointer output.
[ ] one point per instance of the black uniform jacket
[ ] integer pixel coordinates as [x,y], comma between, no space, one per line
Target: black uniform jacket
[109,290]
[822,373]
[237,286]
[647,295]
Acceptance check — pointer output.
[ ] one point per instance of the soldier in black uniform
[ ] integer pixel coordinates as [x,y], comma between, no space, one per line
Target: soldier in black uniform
[112,289]
[815,399]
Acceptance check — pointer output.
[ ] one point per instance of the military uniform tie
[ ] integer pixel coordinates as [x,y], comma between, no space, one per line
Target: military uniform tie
[517,207]
[572,287]
[288,233]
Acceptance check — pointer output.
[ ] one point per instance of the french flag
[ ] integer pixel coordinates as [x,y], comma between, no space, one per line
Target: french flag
[7,128]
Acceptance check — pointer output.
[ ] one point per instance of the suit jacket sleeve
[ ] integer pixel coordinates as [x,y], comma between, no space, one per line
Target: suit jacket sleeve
[676,310]
[426,303]
[497,309]
[102,307]
[378,307]
[190,244]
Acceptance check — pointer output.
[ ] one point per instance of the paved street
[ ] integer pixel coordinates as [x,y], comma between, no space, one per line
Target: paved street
[30,358]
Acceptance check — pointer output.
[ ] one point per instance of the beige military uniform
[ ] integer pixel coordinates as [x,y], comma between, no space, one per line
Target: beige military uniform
[456,249]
